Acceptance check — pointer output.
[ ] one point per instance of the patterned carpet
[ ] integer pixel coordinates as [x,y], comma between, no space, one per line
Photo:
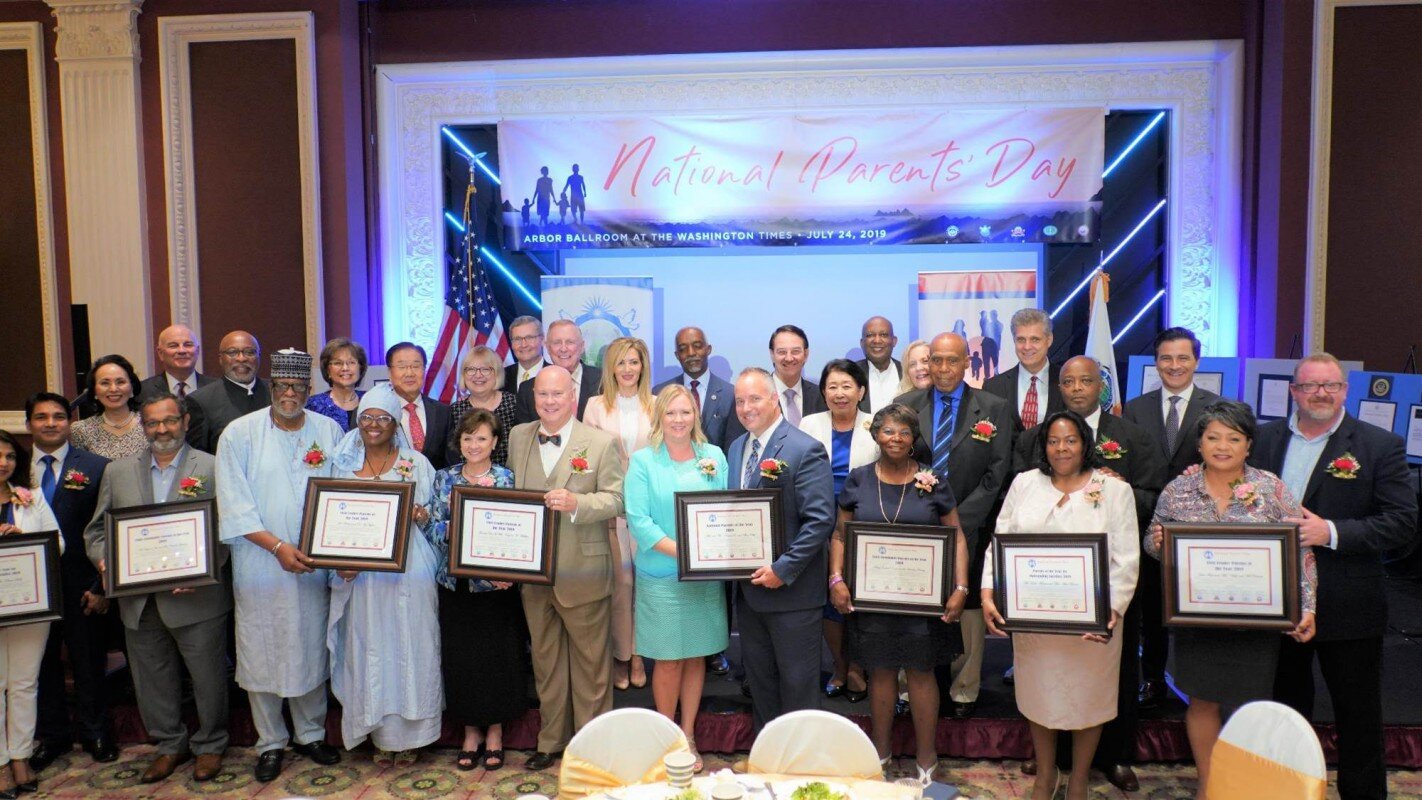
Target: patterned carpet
[434,776]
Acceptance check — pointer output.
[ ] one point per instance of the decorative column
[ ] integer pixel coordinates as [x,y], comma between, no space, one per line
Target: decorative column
[97,51]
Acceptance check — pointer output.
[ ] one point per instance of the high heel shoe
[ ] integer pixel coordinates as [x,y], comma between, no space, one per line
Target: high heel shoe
[925,774]
[884,766]
[853,696]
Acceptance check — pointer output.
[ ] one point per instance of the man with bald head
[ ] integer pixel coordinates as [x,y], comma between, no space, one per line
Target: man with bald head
[179,354]
[565,347]
[877,340]
[966,433]
[580,472]
[1128,451]
[239,393]
[715,396]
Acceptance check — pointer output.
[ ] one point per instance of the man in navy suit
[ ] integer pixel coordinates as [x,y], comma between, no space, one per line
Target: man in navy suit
[1352,480]
[69,478]
[565,349]
[1030,387]
[1169,415]
[718,401]
[781,605]
[424,419]
[526,342]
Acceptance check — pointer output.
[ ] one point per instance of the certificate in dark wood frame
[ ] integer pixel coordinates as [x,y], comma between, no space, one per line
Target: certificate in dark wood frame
[686,503]
[403,491]
[1054,541]
[54,609]
[1286,534]
[113,587]
[546,572]
[946,534]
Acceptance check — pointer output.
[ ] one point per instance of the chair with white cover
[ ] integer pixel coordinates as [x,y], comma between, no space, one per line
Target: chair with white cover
[1267,751]
[816,743]
[616,749]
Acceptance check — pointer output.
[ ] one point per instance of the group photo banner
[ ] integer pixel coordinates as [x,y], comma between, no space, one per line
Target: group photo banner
[915,177]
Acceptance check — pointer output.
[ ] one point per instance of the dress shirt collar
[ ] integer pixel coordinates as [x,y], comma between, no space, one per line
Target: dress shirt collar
[1093,421]
[177,458]
[1332,429]
[189,383]
[1184,395]
[60,453]
[250,387]
[799,387]
[764,438]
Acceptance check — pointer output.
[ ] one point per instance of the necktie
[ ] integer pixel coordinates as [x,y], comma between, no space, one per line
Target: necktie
[696,395]
[792,410]
[417,431]
[942,435]
[752,465]
[47,479]
[556,439]
[522,376]
[182,389]
[1172,424]
[1029,406]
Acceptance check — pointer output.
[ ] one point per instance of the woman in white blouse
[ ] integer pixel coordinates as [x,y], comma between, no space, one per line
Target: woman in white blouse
[1065,682]
[624,409]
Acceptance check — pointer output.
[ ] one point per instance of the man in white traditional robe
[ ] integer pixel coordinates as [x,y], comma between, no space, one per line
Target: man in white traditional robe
[263,463]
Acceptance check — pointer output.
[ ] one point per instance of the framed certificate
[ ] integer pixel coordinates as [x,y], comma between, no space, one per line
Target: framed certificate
[356,524]
[156,548]
[1052,582]
[1231,576]
[899,569]
[29,578]
[502,535]
[727,535]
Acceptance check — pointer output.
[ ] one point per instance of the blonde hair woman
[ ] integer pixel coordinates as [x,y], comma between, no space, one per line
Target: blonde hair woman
[915,367]
[481,374]
[624,409]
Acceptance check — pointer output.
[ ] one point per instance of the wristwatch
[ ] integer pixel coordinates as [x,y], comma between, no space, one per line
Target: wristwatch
[961,588]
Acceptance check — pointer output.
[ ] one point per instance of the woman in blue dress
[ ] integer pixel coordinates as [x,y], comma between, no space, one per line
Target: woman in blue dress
[343,365]
[677,623]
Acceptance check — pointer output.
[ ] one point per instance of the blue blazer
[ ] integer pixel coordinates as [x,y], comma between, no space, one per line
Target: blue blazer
[74,508]
[718,421]
[807,511]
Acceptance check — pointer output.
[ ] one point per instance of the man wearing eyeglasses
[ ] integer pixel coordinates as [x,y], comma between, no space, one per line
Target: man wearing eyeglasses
[1352,480]
[526,341]
[213,407]
[424,419]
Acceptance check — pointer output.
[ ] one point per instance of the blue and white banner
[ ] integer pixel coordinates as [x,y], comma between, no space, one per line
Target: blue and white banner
[603,307]
[977,306]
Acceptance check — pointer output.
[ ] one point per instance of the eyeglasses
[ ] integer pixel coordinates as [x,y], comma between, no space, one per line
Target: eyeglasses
[1332,387]
[478,370]
[282,387]
[381,421]
[165,422]
[344,364]
[527,339]
[233,352]
[407,367]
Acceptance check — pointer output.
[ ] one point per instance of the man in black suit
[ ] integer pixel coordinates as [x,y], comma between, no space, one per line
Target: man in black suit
[877,340]
[978,463]
[177,353]
[239,393]
[526,341]
[1169,414]
[1129,452]
[69,479]
[565,349]
[1352,480]
[1030,388]
[799,398]
[424,419]
[717,397]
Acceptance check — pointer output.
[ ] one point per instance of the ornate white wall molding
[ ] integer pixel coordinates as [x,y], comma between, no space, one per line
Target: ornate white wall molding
[1198,82]
[175,34]
[29,37]
[97,51]
[1321,143]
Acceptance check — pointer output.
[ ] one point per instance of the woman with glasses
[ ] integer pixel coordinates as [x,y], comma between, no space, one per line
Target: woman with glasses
[624,409]
[343,365]
[482,376]
[383,629]
[115,433]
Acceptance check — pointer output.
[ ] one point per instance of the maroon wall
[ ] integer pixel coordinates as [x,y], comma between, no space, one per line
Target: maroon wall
[22,357]
[1375,186]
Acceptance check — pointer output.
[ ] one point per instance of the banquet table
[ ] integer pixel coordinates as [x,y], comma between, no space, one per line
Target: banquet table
[780,787]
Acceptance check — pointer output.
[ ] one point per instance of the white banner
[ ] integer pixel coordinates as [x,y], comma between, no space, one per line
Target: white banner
[604,308]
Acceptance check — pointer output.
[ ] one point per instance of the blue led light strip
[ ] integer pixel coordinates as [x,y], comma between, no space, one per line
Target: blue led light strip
[488,256]
[449,134]
[1138,315]
[452,220]
[1087,280]
[1150,126]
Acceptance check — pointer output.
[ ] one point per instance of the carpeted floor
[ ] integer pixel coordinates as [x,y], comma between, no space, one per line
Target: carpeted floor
[75,776]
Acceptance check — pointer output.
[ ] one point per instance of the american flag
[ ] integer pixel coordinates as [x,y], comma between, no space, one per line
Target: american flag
[471,317]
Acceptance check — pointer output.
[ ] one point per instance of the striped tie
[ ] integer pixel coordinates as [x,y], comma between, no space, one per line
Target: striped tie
[752,464]
[942,435]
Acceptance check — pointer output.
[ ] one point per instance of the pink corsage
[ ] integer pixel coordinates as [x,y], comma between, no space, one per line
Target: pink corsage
[1094,487]
[1246,493]
[405,468]
[484,480]
[706,466]
[924,481]
[21,497]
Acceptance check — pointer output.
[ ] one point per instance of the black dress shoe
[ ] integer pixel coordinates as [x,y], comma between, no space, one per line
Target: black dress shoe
[855,697]
[268,766]
[102,749]
[28,787]
[540,761]
[718,664]
[1153,694]
[964,710]
[833,689]
[46,752]
[745,688]
[1122,777]
[10,794]
[318,751]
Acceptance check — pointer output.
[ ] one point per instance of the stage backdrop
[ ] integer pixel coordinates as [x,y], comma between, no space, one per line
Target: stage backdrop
[978,306]
[907,177]
[604,308]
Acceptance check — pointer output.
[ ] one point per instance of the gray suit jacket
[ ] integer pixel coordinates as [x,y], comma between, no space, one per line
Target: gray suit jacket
[126,483]
[718,420]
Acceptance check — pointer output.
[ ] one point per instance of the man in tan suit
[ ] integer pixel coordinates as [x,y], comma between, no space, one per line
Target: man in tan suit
[568,622]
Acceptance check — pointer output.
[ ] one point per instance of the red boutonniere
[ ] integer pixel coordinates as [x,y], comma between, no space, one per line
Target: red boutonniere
[579,462]
[1093,492]
[23,498]
[405,468]
[74,479]
[315,457]
[1345,466]
[771,468]
[1110,449]
[924,481]
[191,487]
[984,430]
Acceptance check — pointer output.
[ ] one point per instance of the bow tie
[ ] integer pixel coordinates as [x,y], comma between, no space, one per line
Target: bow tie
[554,439]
